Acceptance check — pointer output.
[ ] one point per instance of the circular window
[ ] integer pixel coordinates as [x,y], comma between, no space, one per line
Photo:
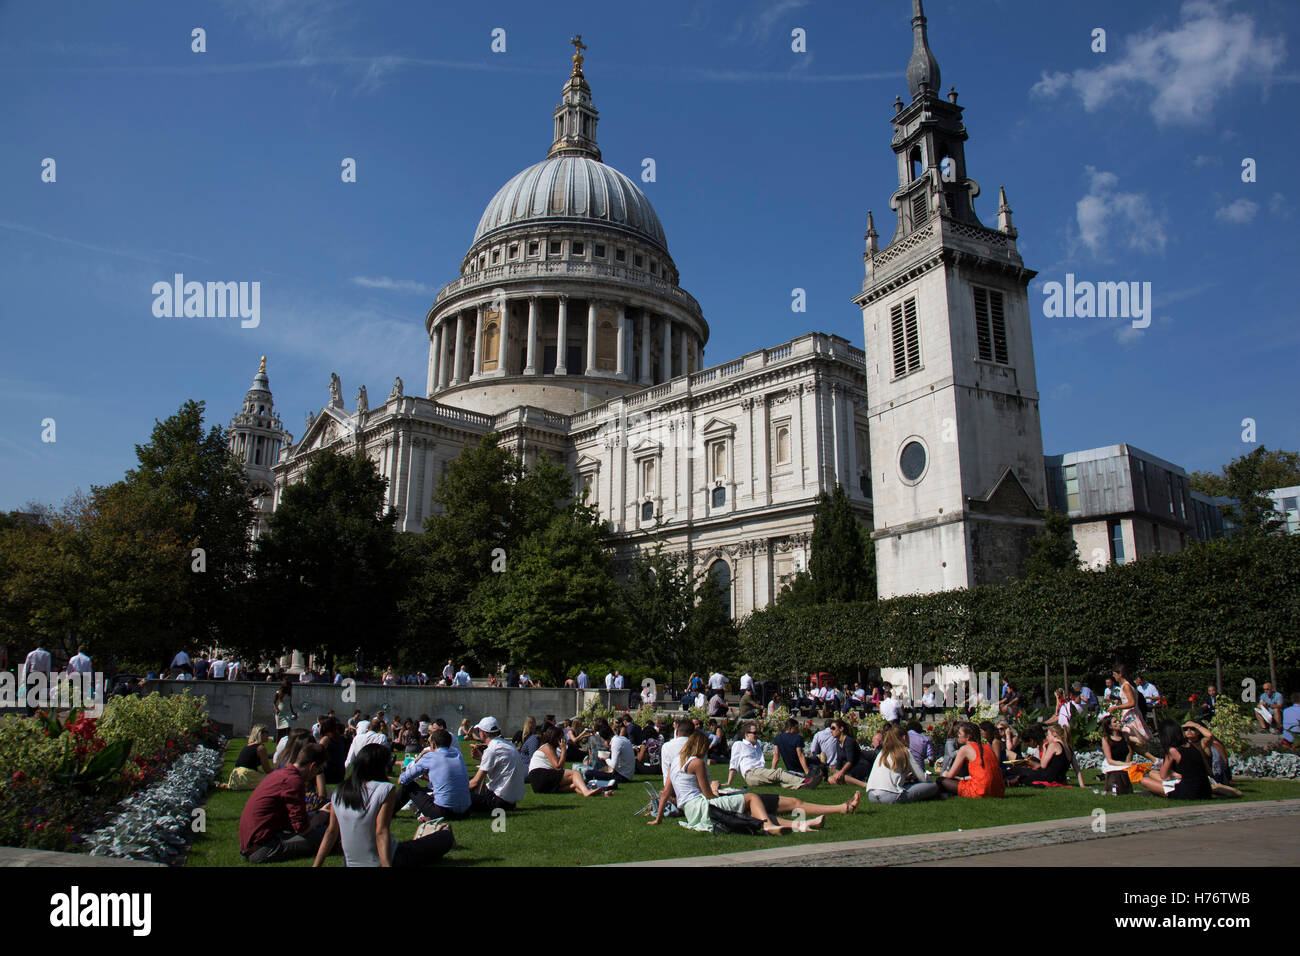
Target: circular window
[912,461]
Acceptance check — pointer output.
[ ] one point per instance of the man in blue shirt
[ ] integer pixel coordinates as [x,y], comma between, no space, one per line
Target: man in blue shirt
[1291,719]
[1268,713]
[448,792]
[583,680]
[462,677]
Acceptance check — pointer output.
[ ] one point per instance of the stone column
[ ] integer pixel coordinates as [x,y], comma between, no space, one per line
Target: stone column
[685,336]
[620,368]
[458,358]
[645,347]
[434,343]
[667,366]
[478,342]
[503,348]
[591,337]
[530,362]
[562,337]
[445,360]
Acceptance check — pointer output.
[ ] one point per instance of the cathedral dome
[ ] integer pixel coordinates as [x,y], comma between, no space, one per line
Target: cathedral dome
[573,190]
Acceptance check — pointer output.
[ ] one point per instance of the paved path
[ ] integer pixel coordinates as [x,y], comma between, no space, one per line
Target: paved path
[16,856]
[1267,841]
[941,848]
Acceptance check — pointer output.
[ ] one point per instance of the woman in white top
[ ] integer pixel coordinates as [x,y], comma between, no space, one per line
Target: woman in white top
[689,781]
[363,808]
[895,766]
[546,771]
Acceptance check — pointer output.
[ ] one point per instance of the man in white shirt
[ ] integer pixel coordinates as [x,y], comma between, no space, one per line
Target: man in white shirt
[747,760]
[448,673]
[1149,691]
[746,682]
[37,662]
[825,747]
[180,660]
[218,669]
[499,783]
[609,681]
[717,681]
[233,672]
[365,736]
[618,681]
[79,663]
[891,708]
[621,765]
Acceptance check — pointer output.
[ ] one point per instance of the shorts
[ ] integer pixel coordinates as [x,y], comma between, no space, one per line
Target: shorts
[544,781]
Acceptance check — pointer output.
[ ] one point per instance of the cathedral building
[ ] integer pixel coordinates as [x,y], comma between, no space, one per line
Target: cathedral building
[567,332]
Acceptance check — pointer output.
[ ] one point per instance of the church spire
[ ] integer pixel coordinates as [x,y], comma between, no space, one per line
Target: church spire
[922,68]
[575,117]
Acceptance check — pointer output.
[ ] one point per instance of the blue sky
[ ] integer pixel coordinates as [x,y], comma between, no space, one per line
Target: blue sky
[224,166]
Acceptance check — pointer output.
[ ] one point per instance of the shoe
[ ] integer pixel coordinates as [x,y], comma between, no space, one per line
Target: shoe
[410,805]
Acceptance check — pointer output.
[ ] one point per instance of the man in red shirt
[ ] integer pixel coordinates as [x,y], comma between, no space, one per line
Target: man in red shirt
[274,825]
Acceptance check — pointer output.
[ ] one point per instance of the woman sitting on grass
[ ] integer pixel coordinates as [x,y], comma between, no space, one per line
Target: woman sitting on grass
[546,773]
[979,760]
[688,782]
[331,738]
[1053,761]
[888,779]
[1216,758]
[1117,756]
[1183,774]
[252,764]
[364,805]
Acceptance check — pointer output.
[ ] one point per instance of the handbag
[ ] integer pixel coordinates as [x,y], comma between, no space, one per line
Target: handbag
[724,821]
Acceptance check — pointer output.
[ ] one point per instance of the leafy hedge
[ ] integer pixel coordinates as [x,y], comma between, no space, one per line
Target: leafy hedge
[1173,612]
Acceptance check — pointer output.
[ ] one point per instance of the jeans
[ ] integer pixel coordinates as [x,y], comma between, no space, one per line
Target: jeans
[424,851]
[950,748]
[287,846]
[910,794]
[426,805]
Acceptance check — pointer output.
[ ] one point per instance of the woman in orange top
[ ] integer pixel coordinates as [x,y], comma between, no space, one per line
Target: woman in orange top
[979,760]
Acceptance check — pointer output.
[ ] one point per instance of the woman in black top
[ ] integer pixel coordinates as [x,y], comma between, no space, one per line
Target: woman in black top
[1183,763]
[1116,753]
[253,756]
[854,764]
[331,738]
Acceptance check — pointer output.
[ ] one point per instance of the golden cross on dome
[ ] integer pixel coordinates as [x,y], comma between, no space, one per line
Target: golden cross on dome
[578,47]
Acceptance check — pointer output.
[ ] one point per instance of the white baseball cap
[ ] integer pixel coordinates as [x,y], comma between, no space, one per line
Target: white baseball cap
[488,725]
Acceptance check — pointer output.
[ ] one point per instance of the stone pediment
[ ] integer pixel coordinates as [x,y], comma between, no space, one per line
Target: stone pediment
[1008,498]
[586,463]
[718,428]
[327,428]
[646,447]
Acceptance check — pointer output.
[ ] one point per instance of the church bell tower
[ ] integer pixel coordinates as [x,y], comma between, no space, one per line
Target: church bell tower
[956,445]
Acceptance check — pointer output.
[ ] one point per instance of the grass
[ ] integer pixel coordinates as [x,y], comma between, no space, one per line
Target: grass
[567,830]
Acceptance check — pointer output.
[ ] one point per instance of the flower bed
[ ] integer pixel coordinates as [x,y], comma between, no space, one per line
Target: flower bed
[1275,765]
[158,823]
[62,778]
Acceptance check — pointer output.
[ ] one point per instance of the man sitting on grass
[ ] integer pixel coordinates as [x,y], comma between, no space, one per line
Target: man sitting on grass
[274,824]
[499,783]
[448,792]
[789,747]
[747,760]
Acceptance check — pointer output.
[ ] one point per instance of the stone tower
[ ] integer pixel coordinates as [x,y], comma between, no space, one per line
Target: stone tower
[256,437]
[956,446]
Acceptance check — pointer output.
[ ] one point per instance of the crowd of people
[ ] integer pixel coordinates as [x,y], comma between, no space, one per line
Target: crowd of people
[292,813]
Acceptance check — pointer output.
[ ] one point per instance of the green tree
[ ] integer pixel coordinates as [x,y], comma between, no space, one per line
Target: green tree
[1277,469]
[490,503]
[1247,481]
[1054,550]
[326,574]
[658,598]
[193,474]
[710,639]
[838,565]
[555,604]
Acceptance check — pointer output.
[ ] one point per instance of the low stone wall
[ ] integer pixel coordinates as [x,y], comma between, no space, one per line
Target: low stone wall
[244,703]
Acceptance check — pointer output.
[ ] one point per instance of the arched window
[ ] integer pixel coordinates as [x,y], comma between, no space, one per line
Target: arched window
[914,164]
[720,571]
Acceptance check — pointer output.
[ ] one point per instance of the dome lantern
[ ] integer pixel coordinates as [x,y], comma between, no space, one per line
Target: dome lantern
[575,117]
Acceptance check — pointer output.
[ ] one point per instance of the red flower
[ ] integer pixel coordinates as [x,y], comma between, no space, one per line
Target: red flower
[19,776]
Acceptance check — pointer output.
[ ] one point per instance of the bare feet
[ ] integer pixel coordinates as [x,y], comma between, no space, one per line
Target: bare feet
[852,805]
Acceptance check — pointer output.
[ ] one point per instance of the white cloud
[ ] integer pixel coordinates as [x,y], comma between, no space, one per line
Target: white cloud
[1201,161]
[393,285]
[1104,208]
[1278,206]
[1238,211]
[756,28]
[1187,68]
[1128,336]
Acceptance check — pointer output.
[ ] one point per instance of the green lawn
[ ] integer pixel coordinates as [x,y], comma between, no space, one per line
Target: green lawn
[572,831]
